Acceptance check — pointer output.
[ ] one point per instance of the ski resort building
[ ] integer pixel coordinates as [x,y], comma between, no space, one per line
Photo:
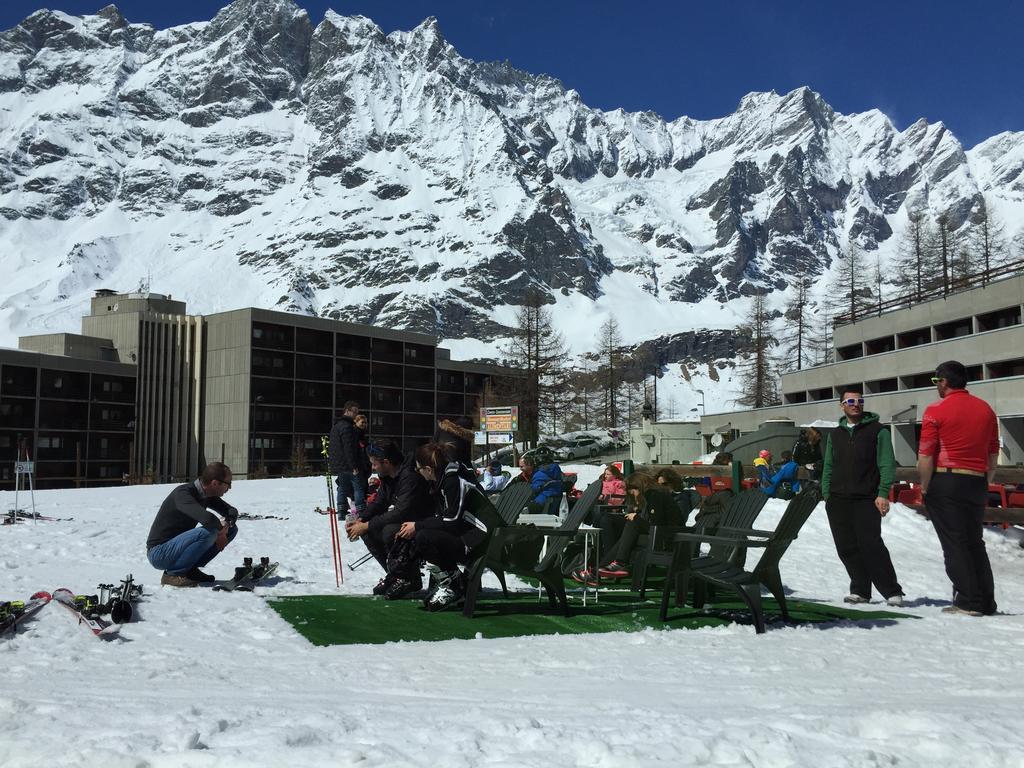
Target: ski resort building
[148,391]
[891,358]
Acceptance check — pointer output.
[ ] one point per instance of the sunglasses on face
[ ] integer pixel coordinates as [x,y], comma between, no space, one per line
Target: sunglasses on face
[225,482]
[853,401]
[937,379]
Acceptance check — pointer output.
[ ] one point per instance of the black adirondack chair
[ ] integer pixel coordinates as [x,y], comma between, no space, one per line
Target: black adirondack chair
[517,549]
[659,547]
[723,572]
[511,500]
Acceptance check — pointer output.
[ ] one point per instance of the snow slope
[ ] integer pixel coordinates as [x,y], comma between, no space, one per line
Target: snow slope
[209,679]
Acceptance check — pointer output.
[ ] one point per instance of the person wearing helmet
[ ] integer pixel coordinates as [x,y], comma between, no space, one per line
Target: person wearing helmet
[544,476]
[763,463]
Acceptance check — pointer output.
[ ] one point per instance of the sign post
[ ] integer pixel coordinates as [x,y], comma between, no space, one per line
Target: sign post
[499,425]
[23,465]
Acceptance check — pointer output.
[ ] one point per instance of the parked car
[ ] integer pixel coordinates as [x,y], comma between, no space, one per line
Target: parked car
[579,447]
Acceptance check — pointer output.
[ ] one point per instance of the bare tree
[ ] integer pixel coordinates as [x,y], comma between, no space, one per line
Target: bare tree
[610,343]
[914,265]
[822,348]
[989,241]
[796,337]
[537,348]
[758,384]
[850,284]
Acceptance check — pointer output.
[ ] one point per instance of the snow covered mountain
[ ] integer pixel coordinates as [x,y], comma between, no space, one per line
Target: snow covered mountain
[258,160]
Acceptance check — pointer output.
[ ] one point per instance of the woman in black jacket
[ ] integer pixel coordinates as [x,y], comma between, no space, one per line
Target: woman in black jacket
[446,539]
[647,504]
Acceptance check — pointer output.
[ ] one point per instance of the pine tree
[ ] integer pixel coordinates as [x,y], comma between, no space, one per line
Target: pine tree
[876,274]
[758,383]
[822,348]
[914,265]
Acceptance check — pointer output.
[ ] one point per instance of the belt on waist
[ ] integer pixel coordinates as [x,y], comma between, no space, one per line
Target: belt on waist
[960,471]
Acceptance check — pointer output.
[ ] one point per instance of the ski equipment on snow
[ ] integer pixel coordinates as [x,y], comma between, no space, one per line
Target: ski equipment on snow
[86,609]
[13,612]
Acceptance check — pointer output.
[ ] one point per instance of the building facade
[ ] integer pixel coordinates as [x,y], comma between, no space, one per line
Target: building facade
[164,392]
[891,359]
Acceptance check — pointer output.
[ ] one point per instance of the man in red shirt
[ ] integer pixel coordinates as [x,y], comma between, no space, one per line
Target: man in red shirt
[956,459]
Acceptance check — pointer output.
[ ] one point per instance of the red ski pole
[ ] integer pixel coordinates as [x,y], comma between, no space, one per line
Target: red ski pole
[339,573]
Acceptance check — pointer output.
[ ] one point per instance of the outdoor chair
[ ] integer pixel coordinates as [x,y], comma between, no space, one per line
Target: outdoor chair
[529,551]
[659,546]
[712,570]
[511,500]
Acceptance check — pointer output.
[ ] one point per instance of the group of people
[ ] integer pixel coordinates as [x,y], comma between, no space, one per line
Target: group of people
[431,506]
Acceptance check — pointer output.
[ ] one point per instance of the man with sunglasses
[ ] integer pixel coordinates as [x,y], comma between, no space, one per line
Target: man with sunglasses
[193,525]
[859,467]
[404,496]
[956,460]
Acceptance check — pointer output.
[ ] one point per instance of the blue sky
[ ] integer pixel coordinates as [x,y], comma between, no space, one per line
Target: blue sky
[952,61]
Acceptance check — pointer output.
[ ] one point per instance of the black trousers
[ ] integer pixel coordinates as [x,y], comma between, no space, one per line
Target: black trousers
[379,543]
[622,552]
[857,531]
[956,506]
[442,548]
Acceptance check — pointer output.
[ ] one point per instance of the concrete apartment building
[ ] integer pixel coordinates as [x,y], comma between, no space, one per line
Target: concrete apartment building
[149,390]
[891,359]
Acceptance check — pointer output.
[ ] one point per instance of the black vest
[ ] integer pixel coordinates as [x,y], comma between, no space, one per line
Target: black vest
[855,461]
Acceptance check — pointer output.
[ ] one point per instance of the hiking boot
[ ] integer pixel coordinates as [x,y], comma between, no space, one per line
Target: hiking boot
[400,588]
[196,575]
[956,609]
[896,601]
[614,570]
[175,580]
[854,599]
[382,586]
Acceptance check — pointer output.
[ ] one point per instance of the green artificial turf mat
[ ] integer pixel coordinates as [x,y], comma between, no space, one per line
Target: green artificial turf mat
[343,620]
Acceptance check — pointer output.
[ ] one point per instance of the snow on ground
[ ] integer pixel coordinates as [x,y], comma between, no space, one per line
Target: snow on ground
[211,679]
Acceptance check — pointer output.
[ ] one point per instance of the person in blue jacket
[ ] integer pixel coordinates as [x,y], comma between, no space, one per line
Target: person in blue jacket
[786,474]
[545,479]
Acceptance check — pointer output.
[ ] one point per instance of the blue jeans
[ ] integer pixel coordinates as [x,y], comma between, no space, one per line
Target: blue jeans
[351,487]
[188,550]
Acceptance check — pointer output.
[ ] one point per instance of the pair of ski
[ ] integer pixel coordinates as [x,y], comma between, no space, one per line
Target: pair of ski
[247,576]
[76,605]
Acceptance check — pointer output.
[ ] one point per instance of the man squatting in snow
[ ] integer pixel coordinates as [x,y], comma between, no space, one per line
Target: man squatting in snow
[176,545]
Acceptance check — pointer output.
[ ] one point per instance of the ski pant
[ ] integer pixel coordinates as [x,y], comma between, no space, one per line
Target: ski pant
[188,550]
[442,548]
[350,487]
[956,506]
[857,531]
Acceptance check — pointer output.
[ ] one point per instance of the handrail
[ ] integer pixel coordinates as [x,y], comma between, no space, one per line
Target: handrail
[959,285]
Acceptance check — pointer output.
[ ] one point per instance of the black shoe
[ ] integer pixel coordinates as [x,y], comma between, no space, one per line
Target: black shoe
[196,575]
[382,586]
[403,588]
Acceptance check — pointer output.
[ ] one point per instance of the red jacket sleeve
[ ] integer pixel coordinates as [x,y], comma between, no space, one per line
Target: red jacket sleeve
[928,445]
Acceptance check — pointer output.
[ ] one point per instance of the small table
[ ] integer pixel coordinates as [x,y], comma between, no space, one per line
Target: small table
[591,537]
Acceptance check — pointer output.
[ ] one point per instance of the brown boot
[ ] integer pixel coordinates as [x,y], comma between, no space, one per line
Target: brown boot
[172,580]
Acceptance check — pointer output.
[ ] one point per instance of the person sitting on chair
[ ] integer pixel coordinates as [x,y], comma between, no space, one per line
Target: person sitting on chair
[646,505]
[493,479]
[545,479]
[176,545]
[403,496]
[446,539]
[784,483]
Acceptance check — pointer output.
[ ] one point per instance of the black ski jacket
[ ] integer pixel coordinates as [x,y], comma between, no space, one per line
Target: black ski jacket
[459,504]
[344,446]
[401,498]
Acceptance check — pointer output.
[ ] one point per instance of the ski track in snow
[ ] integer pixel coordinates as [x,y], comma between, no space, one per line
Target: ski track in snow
[206,679]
